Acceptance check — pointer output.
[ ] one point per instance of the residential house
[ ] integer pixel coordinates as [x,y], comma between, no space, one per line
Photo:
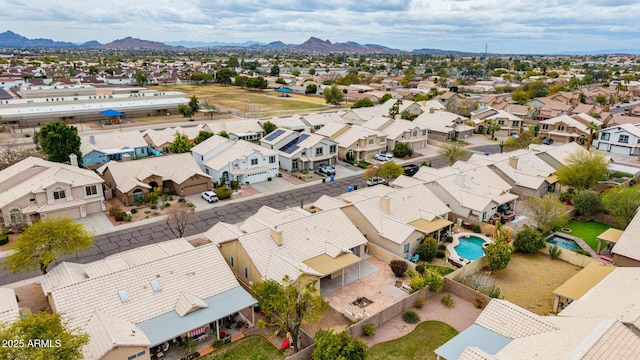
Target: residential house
[448,97]
[293,122]
[473,193]
[225,160]
[354,141]
[626,251]
[9,309]
[320,246]
[132,181]
[567,128]
[509,123]
[301,151]
[133,301]
[316,121]
[366,113]
[620,139]
[245,129]
[35,188]
[400,218]
[552,109]
[400,131]
[506,331]
[444,125]
[103,147]
[159,140]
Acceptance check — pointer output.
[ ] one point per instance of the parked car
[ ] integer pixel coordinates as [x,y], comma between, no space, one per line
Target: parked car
[410,169]
[384,157]
[375,181]
[547,141]
[210,196]
[326,169]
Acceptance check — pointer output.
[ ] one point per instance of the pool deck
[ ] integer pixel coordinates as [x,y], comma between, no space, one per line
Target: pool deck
[577,240]
[453,254]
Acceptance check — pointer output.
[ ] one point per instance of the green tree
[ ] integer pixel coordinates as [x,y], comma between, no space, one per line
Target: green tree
[492,127]
[402,150]
[194,104]
[452,152]
[141,78]
[312,71]
[583,170]
[593,128]
[311,89]
[528,240]
[340,346]
[427,249]
[546,212]
[280,81]
[223,76]
[202,136]
[180,144]
[185,110]
[364,102]
[333,95]
[58,140]
[290,302]
[385,98]
[601,99]
[622,203]
[224,134]
[587,202]
[390,170]
[240,80]
[498,254]
[67,343]
[395,109]
[45,240]
[522,141]
[269,127]
[257,83]
[519,96]
[275,70]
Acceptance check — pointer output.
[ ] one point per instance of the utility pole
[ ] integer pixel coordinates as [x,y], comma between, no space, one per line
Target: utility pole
[484,67]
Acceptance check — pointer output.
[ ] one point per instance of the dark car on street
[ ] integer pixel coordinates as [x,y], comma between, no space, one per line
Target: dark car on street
[410,169]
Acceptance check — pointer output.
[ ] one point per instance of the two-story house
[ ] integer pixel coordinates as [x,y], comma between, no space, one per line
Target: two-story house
[34,188]
[103,147]
[509,123]
[301,151]
[245,129]
[159,140]
[400,131]
[225,160]
[567,128]
[444,125]
[620,139]
[354,141]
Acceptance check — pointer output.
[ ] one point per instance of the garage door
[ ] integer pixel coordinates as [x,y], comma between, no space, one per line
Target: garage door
[195,188]
[620,150]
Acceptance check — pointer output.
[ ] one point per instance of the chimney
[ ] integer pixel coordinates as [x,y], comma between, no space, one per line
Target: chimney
[73,159]
[126,157]
[276,235]
[460,179]
[431,110]
[513,162]
[385,203]
[92,139]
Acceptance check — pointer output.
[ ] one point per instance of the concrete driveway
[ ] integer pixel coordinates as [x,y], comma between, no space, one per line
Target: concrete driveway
[97,223]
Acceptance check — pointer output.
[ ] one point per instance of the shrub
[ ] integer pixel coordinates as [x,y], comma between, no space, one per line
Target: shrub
[269,178]
[114,210]
[475,228]
[417,283]
[147,212]
[117,213]
[223,193]
[478,301]
[587,202]
[494,292]
[554,252]
[420,269]
[153,206]
[410,317]
[182,200]
[447,300]
[449,239]
[134,210]
[4,237]
[528,240]
[369,330]
[440,254]
[498,255]
[279,174]
[419,303]
[481,282]
[434,281]
[427,249]
[399,267]
[442,247]
[218,343]
[582,252]
[402,150]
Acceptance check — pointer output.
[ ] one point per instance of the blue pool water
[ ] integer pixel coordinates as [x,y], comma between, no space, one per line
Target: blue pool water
[563,242]
[470,248]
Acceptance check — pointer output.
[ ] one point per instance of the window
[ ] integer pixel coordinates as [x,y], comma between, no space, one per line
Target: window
[16,216]
[545,126]
[59,194]
[406,248]
[272,159]
[254,161]
[332,149]
[91,190]
[231,261]
[500,122]
[424,132]
[381,140]
[560,127]
[605,136]
[370,141]
[624,139]
[135,356]
[318,151]
[415,133]
[32,199]
[245,272]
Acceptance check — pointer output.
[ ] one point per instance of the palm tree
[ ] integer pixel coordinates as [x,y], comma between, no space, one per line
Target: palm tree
[593,132]
[452,152]
[492,127]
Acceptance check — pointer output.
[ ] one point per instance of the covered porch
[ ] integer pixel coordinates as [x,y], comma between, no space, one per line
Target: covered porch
[437,228]
[336,272]
[579,284]
[610,237]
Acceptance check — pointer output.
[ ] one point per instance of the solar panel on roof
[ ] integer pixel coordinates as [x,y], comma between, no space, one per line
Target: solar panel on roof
[274,134]
[293,145]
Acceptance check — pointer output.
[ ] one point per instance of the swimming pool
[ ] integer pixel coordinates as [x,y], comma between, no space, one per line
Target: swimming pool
[470,247]
[563,243]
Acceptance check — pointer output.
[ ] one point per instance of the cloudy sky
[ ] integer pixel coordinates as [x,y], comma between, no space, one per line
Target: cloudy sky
[508,26]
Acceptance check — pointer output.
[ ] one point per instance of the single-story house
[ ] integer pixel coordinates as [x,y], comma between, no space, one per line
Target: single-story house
[103,147]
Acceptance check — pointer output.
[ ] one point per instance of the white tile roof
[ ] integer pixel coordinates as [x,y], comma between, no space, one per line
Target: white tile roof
[115,140]
[240,150]
[473,353]
[167,135]
[560,153]
[267,217]
[512,321]
[530,171]
[223,232]
[628,244]
[107,331]
[322,118]
[237,127]
[442,121]
[364,193]
[404,181]
[350,137]
[326,202]
[330,129]
[187,303]
[9,309]
[616,343]
[211,144]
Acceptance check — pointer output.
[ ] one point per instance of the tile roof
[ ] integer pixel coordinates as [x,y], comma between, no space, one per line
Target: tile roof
[267,217]
[326,202]
[616,343]
[107,331]
[237,127]
[443,121]
[9,309]
[212,143]
[112,141]
[350,137]
[223,232]
[167,135]
[512,321]
[240,150]
[628,244]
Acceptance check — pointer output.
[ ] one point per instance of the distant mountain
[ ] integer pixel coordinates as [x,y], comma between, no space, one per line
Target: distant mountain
[9,39]
[439,52]
[130,43]
[91,44]
[317,45]
[197,44]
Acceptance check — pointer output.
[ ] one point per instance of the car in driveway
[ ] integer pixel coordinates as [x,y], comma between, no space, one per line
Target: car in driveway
[410,169]
[375,181]
[547,141]
[326,169]
[210,196]
[383,157]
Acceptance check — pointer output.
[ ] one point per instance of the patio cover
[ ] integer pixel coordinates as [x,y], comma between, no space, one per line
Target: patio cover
[476,336]
[583,281]
[428,227]
[170,325]
[552,179]
[111,113]
[325,264]
[610,235]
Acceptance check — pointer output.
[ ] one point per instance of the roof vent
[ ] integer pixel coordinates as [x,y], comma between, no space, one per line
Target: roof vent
[124,296]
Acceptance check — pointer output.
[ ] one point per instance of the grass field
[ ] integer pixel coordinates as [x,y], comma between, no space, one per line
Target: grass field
[249,348]
[419,344]
[255,103]
[587,231]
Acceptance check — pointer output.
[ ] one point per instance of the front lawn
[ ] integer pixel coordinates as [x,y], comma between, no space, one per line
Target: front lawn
[249,348]
[587,231]
[418,344]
